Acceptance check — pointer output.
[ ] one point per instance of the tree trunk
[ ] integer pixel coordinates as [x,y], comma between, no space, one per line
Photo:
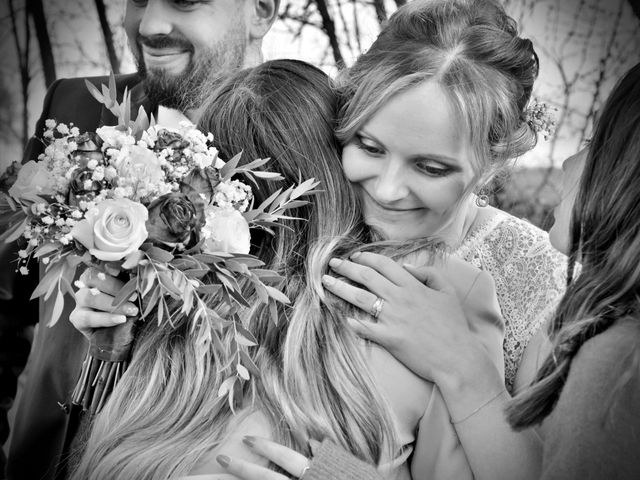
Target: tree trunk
[330,29]
[23,65]
[36,12]
[107,34]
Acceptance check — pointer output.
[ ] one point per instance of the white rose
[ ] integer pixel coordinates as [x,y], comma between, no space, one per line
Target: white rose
[226,230]
[33,178]
[113,229]
[114,136]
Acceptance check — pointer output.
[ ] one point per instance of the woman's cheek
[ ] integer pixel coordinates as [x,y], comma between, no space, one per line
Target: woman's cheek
[356,166]
[441,195]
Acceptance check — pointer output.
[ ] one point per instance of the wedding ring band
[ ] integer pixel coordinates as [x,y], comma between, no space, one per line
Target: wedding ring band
[376,308]
[304,470]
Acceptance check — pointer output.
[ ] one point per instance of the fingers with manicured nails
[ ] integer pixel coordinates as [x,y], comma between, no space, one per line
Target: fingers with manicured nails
[385,266]
[247,470]
[359,297]
[94,278]
[286,458]
[95,299]
[85,319]
[362,275]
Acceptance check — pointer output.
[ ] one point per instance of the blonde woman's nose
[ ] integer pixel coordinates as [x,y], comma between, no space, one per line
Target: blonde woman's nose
[391,184]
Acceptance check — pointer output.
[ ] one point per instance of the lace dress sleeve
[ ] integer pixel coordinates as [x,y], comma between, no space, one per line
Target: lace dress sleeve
[530,278]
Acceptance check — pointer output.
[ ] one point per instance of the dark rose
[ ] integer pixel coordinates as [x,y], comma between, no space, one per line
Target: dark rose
[83,187]
[88,142]
[169,139]
[175,218]
[201,181]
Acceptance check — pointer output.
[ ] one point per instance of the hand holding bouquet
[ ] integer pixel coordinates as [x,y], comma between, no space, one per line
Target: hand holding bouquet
[158,205]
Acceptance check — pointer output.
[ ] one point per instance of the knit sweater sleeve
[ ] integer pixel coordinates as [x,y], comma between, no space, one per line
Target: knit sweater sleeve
[331,462]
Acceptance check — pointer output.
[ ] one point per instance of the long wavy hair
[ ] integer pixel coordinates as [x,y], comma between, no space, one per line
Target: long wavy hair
[165,414]
[605,240]
[472,49]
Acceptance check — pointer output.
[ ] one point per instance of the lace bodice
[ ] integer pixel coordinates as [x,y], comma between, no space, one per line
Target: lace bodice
[530,278]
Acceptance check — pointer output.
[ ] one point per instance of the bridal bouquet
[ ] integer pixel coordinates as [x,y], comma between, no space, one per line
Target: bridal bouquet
[158,205]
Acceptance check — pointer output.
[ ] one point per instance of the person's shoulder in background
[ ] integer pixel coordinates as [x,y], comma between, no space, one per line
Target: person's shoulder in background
[594,430]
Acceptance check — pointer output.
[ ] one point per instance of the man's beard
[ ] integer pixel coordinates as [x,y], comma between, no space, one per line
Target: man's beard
[190,88]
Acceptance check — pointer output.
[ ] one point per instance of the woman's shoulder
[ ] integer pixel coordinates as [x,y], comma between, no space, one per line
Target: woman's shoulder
[502,237]
[612,353]
[529,275]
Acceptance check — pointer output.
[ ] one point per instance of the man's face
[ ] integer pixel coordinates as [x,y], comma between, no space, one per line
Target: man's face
[182,47]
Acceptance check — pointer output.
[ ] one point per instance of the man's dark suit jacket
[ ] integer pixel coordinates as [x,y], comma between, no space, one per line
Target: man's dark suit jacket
[43,428]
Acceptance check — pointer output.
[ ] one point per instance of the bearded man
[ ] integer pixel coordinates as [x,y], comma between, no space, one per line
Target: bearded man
[182,48]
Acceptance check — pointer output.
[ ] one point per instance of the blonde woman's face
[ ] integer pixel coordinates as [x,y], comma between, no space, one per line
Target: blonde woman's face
[572,169]
[411,163]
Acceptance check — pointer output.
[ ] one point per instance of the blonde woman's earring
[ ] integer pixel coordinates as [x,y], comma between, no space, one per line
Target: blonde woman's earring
[482,200]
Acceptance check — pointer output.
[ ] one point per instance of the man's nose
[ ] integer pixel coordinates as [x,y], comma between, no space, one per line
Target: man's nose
[156,19]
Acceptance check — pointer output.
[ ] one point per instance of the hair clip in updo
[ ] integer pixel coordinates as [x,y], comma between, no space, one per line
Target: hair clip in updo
[540,118]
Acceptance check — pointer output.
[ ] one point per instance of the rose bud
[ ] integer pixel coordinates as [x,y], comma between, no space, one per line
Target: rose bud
[83,187]
[175,218]
[202,182]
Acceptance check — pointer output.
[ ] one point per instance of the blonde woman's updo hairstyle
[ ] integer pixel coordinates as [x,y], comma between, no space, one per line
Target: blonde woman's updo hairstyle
[472,49]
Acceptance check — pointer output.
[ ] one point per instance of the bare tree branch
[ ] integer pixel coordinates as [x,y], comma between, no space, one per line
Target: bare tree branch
[381,11]
[23,66]
[329,28]
[107,34]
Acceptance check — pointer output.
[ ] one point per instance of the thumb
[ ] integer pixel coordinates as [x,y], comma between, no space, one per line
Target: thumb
[430,276]
[367,330]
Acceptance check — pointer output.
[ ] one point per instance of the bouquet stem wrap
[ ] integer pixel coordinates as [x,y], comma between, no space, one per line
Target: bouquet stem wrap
[106,361]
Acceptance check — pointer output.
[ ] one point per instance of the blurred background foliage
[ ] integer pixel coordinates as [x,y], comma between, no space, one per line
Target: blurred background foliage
[584,47]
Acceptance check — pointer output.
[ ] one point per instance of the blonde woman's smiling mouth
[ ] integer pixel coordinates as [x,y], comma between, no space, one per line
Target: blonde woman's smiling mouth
[379,207]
